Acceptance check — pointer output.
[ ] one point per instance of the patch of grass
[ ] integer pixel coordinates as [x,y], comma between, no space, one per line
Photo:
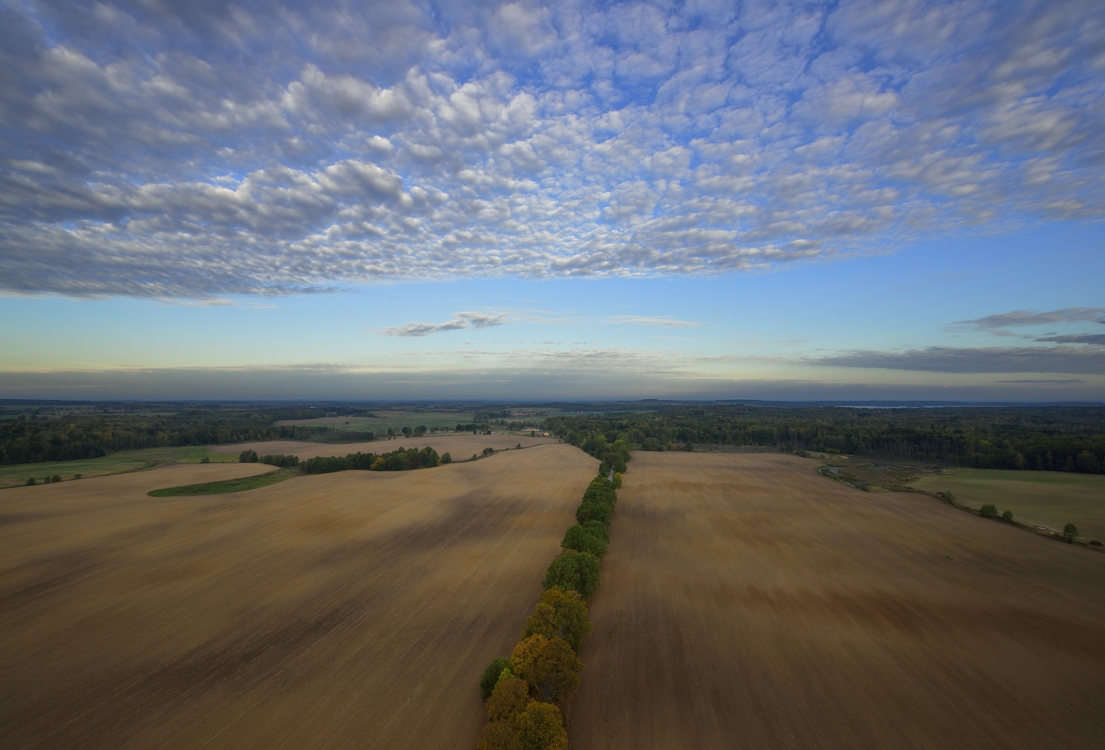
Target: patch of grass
[1045,498]
[15,475]
[226,485]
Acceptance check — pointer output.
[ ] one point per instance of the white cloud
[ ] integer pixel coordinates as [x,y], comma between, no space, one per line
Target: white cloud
[460,321]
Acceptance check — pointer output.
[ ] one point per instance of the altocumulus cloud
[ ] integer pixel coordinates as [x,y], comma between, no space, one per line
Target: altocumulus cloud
[197,150]
[460,320]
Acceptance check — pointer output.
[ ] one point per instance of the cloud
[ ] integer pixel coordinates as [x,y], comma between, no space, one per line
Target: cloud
[1027,318]
[222,148]
[460,321]
[1093,339]
[1058,359]
[637,320]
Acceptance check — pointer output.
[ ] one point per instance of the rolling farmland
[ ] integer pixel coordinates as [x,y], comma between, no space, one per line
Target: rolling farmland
[748,602]
[460,446]
[343,610]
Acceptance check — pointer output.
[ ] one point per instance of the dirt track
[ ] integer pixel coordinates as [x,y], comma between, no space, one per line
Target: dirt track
[336,611]
[460,447]
[749,603]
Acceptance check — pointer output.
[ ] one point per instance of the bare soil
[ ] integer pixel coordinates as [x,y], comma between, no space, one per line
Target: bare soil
[460,447]
[356,609]
[748,602]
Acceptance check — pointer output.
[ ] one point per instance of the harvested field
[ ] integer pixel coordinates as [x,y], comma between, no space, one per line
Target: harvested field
[749,603]
[460,447]
[355,609]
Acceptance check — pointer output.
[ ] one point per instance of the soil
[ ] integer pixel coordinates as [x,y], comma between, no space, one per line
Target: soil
[748,602]
[348,610]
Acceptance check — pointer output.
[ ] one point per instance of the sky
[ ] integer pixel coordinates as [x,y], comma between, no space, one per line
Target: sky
[866,200]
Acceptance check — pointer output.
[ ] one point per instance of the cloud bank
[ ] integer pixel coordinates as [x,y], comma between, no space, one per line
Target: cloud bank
[460,321]
[197,150]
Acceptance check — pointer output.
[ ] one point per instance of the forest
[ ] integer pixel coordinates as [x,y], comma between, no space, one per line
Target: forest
[1044,438]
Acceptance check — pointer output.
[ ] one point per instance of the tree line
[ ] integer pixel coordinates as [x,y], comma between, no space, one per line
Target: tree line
[72,437]
[1058,438]
[528,694]
[401,459]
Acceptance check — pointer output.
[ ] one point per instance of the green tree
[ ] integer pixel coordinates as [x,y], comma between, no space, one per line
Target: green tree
[598,530]
[30,481]
[1088,463]
[446,458]
[988,511]
[560,614]
[491,676]
[541,727]
[1070,532]
[1007,516]
[574,570]
[581,540]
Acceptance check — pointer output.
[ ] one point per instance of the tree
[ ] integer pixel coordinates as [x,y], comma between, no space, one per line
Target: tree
[30,481]
[617,482]
[579,539]
[988,511]
[500,735]
[446,458]
[597,529]
[1087,463]
[509,698]
[248,457]
[574,570]
[592,510]
[1070,532]
[541,727]
[1007,516]
[56,478]
[491,676]
[549,666]
[560,614]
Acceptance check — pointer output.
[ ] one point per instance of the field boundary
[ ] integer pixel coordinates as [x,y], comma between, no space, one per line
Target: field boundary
[225,486]
[528,696]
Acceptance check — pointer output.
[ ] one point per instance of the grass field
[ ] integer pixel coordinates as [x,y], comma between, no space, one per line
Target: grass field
[1047,498]
[460,447]
[348,610]
[115,463]
[749,603]
[223,486]
[385,419]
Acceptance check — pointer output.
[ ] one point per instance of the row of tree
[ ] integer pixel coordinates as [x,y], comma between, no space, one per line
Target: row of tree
[74,436]
[1055,438]
[251,457]
[528,694]
[401,459]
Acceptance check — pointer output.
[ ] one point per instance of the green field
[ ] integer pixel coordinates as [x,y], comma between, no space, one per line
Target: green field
[1046,498]
[115,463]
[226,485]
[385,419]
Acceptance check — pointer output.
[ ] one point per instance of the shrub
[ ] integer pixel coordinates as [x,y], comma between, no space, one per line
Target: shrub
[518,447]
[988,511]
[205,460]
[76,476]
[446,458]
[56,478]
[30,481]
[46,480]
[1070,532]
[248,457]
[688,447]
[1007,516]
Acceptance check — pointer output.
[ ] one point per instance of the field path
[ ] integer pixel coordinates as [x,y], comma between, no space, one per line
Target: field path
[349,610]
[748,602]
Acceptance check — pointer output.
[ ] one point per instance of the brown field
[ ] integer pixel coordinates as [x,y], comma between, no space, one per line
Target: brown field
[344,610]
[749,603]
[460,447]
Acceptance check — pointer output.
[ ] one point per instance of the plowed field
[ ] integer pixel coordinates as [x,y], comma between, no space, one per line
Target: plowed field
[337,611]
[749,603]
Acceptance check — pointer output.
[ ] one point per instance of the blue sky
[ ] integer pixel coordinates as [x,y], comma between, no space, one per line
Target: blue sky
[891,199]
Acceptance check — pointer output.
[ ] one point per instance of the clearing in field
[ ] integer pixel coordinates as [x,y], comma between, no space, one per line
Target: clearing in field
[748,602]
[1046,498]
[355,609]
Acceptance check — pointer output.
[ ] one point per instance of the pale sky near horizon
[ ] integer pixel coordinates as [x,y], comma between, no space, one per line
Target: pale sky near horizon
[878,199]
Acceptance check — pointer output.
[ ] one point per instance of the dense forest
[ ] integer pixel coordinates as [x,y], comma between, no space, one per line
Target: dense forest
[70,436]
[1059,438]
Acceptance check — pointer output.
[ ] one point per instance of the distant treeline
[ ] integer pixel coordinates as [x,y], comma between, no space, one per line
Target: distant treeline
[1060,438]
[401,459]
[528,694]
[74,437]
